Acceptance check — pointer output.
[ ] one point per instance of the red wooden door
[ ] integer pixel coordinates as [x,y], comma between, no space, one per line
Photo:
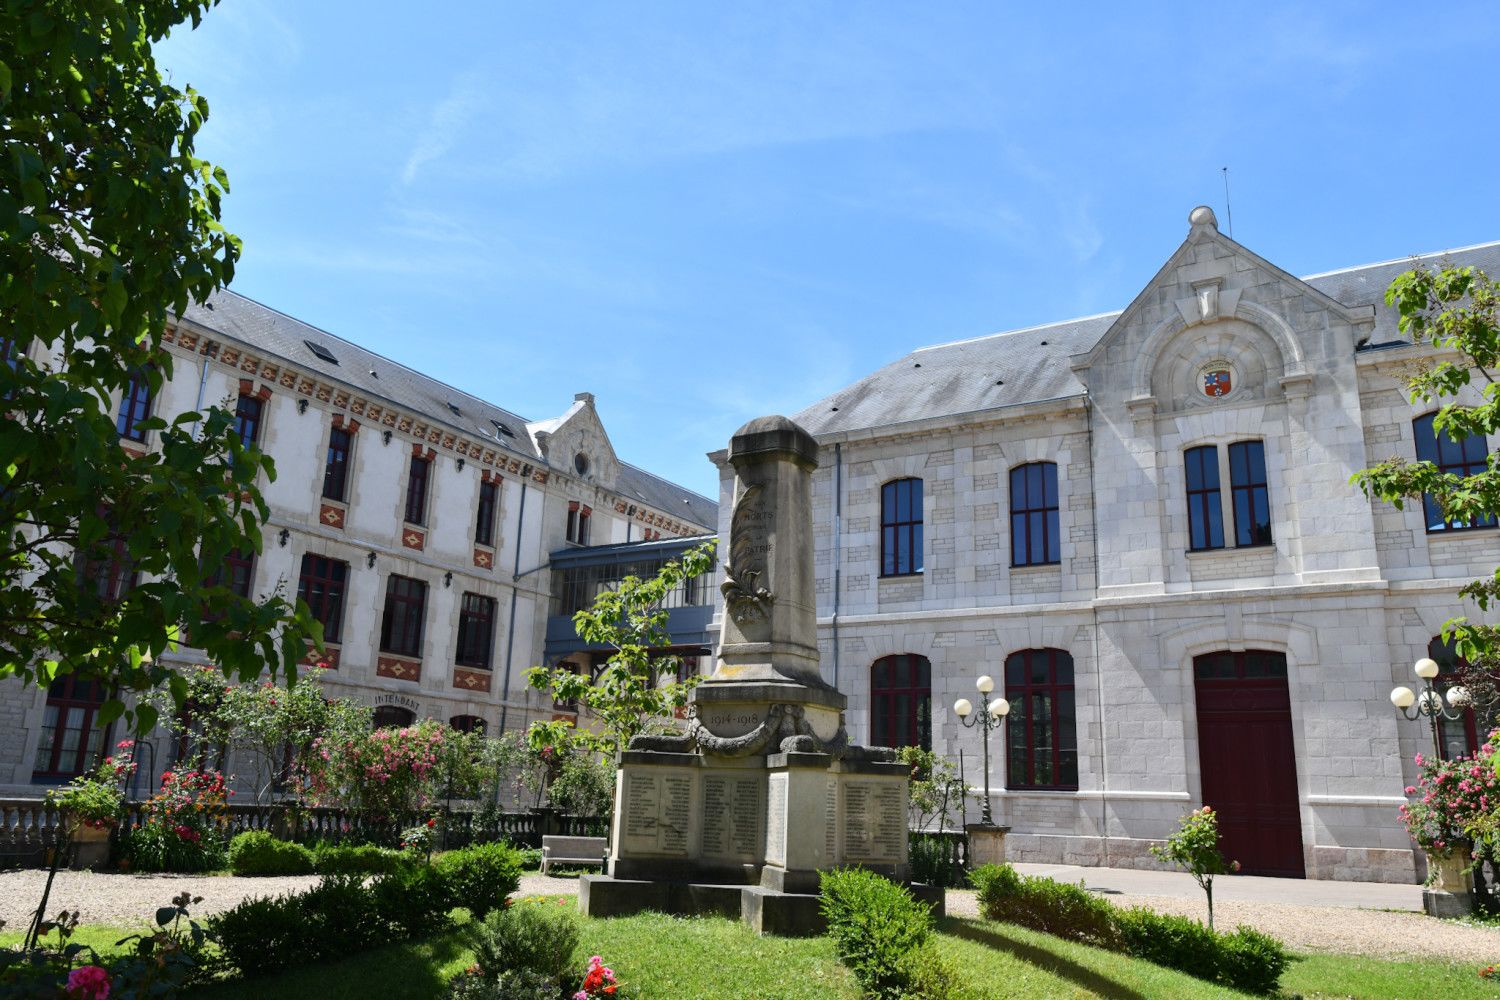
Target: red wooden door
[1247,760]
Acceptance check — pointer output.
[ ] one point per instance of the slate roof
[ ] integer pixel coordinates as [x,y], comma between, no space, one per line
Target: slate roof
[1033,365]
[274,332]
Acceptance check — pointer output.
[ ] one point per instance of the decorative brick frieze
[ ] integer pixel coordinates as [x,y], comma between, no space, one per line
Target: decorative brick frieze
[483,558]
[471,680]
[329,657]
[413,538]
[398,668]
[332,515]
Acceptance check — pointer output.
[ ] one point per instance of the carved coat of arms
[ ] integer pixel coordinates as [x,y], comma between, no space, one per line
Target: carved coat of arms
[746,600]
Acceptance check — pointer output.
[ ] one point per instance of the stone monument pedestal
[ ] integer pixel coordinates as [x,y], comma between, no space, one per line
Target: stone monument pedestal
[738,815]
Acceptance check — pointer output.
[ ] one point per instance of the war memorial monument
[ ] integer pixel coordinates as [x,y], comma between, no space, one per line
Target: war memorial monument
[739,814]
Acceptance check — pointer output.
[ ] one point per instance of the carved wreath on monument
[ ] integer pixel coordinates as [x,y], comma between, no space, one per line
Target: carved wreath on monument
[745,600]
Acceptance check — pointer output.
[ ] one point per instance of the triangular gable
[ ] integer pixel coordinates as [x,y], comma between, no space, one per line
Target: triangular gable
[1205,230]
[578,431]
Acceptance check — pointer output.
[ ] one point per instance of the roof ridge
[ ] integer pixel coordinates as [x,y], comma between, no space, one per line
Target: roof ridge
[376,354]
[1023,329]
[663,479]
[1398,260]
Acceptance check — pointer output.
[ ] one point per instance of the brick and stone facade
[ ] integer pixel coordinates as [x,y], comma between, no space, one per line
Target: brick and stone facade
[539,469]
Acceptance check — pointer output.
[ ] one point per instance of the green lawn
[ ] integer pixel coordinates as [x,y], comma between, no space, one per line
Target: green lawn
[672,957]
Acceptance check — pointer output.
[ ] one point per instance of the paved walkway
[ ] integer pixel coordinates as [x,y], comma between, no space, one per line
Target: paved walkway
[1236,888]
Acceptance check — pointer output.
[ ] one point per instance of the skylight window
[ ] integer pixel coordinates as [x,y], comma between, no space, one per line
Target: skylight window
[502,429]
[321,351]
[454,410]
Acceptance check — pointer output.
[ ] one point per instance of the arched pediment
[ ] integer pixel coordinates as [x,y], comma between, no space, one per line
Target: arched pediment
[1254,343]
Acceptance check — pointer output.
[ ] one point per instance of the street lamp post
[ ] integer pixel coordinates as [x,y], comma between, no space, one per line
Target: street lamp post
[991,718]
[1429,703]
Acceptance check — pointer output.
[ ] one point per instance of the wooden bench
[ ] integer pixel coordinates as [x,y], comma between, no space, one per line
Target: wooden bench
[572,851]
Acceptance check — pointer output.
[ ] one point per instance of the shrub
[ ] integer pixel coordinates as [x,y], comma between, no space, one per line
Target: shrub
[880,932]
[263,934]
[157,848]
[413,899]
[1067,911]
[337,916]
[518,984]
[1252,961]
[480,877]
[366,859]
[534,936]
[1245,960]
[1179,943]
[256,852]
[1195,846]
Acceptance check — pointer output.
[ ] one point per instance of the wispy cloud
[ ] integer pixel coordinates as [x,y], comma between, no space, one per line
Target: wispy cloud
[445,123]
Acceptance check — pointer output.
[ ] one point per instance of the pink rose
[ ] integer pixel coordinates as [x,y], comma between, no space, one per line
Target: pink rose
[88,982]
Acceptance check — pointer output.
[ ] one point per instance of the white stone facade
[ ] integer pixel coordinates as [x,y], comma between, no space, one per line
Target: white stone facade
[1350,591]
[535,470]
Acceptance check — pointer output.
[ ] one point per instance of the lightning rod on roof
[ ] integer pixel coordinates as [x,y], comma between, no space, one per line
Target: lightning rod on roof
[1228,212]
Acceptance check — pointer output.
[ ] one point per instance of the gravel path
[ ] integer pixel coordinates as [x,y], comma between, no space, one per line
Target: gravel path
[126,900]
[129,900]
[1348,931]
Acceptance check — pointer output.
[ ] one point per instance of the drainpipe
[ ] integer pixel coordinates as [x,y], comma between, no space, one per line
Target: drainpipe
[202,385]
[1088,416]
[510,632]
[838,528]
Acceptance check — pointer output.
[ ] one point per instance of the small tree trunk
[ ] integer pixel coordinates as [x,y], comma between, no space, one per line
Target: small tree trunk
[1208,888]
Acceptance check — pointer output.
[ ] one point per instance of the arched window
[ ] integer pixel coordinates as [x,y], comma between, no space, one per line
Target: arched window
[135,406]
[1041,730]
[1458,737]
[468,724]
[1033,515]
[901,701]
[1465,457]
[389,716]
[901,527]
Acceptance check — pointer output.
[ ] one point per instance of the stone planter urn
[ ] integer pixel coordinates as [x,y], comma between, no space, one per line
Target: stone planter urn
[1450,889]
[986,844]
[90,844]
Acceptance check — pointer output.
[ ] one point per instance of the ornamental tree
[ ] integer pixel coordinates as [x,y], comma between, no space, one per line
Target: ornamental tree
[638,683]
[1455,311]
[109,224]
[1195,847]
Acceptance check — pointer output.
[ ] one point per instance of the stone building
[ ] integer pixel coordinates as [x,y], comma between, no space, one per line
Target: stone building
[1141,525]
[416,520]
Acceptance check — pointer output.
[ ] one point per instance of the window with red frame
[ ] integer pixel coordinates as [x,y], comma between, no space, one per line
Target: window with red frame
[484,522]
[416,490]
[238,572]
[321,587]
[248,411]
[1457,737]
[1042,728]
[901,701]
[135,406]
[72,739]
[468,724]
[578,523]
[108,570]
[401,626]
[476,631]
[569,706]
[336,465]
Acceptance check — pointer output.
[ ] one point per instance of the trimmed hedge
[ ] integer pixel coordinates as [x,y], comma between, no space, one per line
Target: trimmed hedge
[1058,908]
[366,859]
[344,913]
[1244,959]
[881,933]
[256,852]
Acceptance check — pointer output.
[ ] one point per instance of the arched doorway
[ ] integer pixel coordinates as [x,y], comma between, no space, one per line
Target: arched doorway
[1247,759]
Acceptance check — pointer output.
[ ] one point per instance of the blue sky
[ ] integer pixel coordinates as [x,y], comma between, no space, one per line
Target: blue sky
[707,212]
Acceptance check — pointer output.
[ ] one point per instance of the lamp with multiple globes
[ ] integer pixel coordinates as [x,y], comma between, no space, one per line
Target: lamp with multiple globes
[995,711]
[1428,704]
